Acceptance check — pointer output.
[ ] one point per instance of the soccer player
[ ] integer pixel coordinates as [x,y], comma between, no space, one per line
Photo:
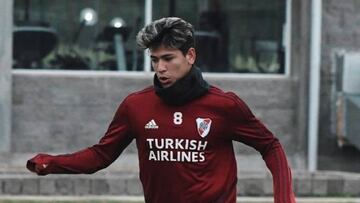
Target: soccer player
[184,130]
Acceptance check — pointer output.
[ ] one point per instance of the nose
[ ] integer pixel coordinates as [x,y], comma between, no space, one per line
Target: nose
[161,66]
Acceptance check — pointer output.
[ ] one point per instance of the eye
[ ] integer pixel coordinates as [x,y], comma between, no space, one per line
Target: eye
[168,58]
[154,60]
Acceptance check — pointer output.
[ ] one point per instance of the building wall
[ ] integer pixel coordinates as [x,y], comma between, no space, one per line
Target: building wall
[59,111]
[5,74]
[300,46]
[65,111]
[340,31]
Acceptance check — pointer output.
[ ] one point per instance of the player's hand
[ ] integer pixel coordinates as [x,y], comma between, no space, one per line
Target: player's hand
[40,164]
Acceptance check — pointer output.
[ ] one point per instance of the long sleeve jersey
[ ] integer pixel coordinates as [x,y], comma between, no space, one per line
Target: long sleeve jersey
[185,152]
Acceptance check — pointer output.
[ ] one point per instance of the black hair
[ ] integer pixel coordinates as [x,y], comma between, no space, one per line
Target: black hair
[172,32]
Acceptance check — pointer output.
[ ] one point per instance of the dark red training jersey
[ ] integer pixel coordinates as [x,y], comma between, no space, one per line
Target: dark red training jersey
[185,152]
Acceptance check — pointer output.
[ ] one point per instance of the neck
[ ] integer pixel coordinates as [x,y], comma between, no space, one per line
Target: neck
[186,89]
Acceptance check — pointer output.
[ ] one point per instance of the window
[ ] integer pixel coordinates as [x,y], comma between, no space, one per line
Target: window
[66,34]
[244,36]
[239,36]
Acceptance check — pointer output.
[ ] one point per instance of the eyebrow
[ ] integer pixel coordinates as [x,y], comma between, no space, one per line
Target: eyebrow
[162,56]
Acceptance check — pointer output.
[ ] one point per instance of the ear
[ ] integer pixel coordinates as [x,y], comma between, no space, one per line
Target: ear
[191,55]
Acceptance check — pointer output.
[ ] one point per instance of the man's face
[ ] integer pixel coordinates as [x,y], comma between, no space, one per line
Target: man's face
[170,64]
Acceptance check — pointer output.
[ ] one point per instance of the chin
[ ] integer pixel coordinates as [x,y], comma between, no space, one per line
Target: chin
[166,86]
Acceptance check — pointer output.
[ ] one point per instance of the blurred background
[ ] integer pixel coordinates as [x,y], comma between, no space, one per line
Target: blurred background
[232,36]
[66,65]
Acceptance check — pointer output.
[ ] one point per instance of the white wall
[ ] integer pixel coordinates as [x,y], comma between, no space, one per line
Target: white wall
[5,73]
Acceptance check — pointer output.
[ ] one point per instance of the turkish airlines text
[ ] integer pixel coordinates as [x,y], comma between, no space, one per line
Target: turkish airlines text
[180,150]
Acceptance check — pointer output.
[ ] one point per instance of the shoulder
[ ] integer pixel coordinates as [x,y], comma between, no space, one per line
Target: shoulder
[139,95]
[147,90]
[229,100]
[136,99]
[219,94]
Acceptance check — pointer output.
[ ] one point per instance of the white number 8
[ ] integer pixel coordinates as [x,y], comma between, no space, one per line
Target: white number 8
[178,118]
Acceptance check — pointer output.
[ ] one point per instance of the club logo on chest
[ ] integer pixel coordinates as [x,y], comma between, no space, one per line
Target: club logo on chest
[203,126]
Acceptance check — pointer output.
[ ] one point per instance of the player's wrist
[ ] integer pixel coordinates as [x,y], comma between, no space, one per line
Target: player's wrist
[40,164]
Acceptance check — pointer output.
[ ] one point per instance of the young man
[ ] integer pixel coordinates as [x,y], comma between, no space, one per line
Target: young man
[183,129]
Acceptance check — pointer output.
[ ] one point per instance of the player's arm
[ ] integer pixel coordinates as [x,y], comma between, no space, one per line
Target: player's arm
[249,130]
[91,159]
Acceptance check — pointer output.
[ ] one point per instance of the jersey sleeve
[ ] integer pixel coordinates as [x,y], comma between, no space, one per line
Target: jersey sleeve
[246,128]
[91,159]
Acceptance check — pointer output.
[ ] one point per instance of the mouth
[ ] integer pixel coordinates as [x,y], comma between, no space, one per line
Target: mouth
[165,81]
